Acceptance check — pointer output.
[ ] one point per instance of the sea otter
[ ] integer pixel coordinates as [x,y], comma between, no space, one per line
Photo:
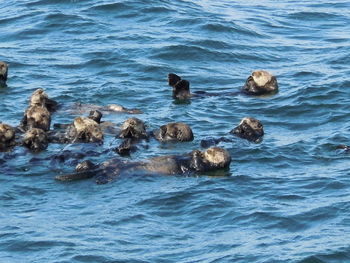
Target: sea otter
[260,82]
[133,128]
[84,129]
[176,131]
[80,108]
[194,162]
[181,87]
[3,73]
[40,98]
[249,128]
[35,139]
[7,137]
[36,117]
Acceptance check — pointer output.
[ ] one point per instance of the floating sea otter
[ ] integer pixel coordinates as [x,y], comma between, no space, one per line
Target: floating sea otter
[194,162]
[181,87]
[260,82]
[3,73]
[38,114]
[35,139]
[134,129]
[176,131]
[7,137]
[249,128]
[83,129]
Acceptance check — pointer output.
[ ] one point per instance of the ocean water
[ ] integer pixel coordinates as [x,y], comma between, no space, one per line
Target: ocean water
[286,199]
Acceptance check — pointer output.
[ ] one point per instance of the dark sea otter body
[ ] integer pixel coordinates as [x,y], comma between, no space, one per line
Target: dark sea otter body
[250,129]
[214,158]
[3,73]
[181,87]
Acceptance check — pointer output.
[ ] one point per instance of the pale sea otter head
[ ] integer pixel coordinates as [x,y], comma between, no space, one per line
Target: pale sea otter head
[35,139]
[250,129]
[87,130]
[7,136]
[177,131]
[133,128]
[211,159]
[40,98]
[260,82]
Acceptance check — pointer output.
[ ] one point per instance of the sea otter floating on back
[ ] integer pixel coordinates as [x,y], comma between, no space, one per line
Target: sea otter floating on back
[212,159]
[260,82]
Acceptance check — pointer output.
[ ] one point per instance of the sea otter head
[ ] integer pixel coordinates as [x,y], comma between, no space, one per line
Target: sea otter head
[35,139]
[177,131]
[173,79]
[261,82]
[211,159]
[133,128]
[250,129]
[7,136]
[38,117]
[40,98]
[87,130]
[95,115]
[3,71]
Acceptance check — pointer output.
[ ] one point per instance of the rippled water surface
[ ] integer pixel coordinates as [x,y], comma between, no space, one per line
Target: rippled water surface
[283,200]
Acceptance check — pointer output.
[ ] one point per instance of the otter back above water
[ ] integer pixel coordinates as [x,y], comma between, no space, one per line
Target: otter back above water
[285,199]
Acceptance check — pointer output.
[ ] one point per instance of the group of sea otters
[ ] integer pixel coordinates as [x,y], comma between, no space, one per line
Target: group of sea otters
[34,133]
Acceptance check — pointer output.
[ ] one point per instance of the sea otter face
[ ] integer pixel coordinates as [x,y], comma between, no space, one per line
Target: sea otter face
[38,98]
[35,139]
[177,131]
[133,128]
[38,117]
[217,157]
[181,90]
[87,130]
[260,82]
[250,129]
[7,136]
[3,71]
[211,159]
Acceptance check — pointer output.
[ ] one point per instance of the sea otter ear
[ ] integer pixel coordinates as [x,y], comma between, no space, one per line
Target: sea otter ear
[173,79]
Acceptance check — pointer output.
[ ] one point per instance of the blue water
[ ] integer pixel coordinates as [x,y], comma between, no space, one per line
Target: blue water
[286,199]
